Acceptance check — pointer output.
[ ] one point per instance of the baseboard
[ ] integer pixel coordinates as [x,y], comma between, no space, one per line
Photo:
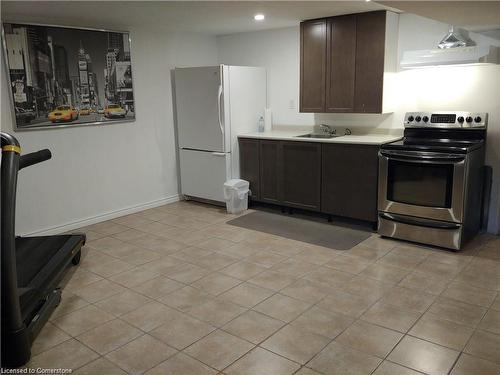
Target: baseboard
[103,217]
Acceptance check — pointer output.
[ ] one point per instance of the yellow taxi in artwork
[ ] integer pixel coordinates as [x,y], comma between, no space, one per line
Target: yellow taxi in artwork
[63,113]
[84,111]
[114,110]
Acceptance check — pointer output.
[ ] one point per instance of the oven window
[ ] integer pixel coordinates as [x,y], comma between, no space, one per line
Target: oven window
[417,184]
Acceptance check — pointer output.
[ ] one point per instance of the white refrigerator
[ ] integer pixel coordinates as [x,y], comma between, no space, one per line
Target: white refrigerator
[214,104]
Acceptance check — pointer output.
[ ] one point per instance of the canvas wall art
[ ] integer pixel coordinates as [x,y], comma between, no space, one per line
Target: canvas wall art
[62,76]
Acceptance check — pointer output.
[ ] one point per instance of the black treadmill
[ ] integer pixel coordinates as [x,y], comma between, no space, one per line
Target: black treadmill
[32,267]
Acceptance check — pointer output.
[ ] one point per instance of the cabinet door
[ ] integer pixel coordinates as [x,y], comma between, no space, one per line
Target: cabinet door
[370,50]
[269,171]
[250,164]
[301,174]
[312,65]
[350,180]
[341,63]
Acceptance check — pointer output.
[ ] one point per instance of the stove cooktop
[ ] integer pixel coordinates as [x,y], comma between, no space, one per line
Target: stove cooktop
[435,145]
[445,132]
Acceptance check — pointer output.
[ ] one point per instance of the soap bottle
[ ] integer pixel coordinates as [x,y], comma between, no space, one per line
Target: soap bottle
[261,124]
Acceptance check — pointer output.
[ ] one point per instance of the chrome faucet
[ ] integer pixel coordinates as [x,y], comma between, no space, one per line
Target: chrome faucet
[348,131]
[327,129]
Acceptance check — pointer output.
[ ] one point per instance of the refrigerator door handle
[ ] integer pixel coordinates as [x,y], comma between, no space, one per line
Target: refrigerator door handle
[218,153]
[219,97]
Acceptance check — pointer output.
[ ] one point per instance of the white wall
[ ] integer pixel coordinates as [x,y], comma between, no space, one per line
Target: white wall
[99,171]
[277,51]
[473,88]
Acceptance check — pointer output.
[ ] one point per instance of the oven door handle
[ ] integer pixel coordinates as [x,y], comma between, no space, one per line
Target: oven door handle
[420,222]
[423,157]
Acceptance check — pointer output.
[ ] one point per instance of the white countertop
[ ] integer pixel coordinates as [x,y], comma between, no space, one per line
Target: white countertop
[291,135]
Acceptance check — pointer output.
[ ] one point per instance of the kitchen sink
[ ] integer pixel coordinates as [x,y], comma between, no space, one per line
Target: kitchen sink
[318,135]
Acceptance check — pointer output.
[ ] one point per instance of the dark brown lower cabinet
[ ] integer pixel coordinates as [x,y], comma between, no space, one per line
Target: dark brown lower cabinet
[301,174]
[350,180]
[269,171]
[249,164]
[333,178]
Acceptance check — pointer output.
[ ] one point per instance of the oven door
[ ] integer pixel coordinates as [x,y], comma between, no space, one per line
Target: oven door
[422,184]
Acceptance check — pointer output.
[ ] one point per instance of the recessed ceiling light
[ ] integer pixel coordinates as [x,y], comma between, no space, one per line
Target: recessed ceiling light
[368,0]
[259,17]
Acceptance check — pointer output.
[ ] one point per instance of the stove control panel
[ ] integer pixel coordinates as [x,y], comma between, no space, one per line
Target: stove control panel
[446,119]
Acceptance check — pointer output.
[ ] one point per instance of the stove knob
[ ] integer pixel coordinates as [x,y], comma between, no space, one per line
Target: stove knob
[468,119]
[478,119]
[460,119]
[418,118]
[425,118]
[411,118]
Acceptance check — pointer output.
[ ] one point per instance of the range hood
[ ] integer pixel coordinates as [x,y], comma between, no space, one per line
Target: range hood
[454,48]
[450,56]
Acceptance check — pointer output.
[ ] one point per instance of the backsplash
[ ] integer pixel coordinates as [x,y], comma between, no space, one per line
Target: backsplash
[356,129]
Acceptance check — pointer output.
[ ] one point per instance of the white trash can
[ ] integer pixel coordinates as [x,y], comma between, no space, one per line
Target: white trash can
[236,195]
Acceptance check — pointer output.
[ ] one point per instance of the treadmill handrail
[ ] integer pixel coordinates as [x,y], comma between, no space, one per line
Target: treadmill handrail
[12,321]
[34,158]
[8,140]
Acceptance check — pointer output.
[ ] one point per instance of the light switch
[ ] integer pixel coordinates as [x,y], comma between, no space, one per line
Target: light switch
[291,104]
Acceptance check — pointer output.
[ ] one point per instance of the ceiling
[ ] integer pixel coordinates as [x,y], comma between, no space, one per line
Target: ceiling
[471,15]
[209,17]
[228,17]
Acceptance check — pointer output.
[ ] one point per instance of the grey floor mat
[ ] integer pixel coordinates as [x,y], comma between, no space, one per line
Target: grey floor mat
[295,228]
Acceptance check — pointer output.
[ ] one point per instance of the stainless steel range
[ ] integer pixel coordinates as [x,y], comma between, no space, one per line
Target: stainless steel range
[430,182]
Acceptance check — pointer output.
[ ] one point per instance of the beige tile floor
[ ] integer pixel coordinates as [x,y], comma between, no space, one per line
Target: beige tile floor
[176,290]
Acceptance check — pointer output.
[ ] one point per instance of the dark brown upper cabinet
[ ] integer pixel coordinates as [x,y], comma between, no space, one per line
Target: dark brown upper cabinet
[312,65]
[341,64]
[370,53]
[360,52]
